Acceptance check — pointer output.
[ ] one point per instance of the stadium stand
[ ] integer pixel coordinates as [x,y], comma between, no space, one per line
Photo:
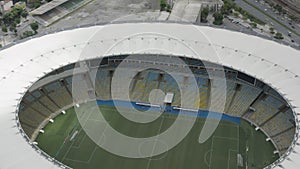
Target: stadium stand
[61,97]
[101,84]
[244,96]
[269,110]
[31,120]
[284,140]
[265,108]
[50,103]
[277,124]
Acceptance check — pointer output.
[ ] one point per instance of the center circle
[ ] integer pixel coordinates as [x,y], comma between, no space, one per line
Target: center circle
[156,97]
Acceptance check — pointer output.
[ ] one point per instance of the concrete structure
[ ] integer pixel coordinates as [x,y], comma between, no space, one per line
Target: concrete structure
[56,9]
[190,10]
[25,63]
[214,5]
[47,7]
[6,5]
[184,10]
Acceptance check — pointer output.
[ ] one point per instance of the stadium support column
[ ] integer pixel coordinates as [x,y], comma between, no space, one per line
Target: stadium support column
[160,79]
[110,74]
[208,93]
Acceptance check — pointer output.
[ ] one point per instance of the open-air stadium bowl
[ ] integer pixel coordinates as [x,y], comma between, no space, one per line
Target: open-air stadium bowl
[25,63]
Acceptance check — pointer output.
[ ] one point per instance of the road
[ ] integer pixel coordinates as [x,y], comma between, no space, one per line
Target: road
[277,23]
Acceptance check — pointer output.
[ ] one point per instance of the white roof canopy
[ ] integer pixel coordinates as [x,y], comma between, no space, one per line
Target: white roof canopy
[23,64]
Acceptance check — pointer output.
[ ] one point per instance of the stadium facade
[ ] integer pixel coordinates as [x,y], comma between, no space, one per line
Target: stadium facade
[23,64]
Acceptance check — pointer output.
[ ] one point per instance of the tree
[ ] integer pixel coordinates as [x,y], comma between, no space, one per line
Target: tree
[204,14]
[218,18]
[278,8]
[17,21]
[236,14]
[4,28]
[253,24]
[169,8]
[12,27]
[14,16]
[278,35]
[37,4]
[271,30]
[16,32]
[34,26]
[163,4]
[27,34]
[293,17]
[24,14]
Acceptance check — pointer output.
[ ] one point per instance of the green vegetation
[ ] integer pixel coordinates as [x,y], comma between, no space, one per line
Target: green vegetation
[36,4]
[163,5]
[13,18]
[277,7]
[280,9]
[169,8]
[34,26]
[271,30]
[236,14]
[218,18]
[288,28]
[24,14]
[294,18]
[204,14]
[4,28]
[27,34]
[229,140]
[253,24]
[229,6]
[278,35]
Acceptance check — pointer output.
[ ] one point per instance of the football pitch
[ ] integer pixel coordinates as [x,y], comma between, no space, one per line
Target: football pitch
[230,147]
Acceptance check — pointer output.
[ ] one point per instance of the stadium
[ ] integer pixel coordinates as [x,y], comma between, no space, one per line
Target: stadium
[149,95]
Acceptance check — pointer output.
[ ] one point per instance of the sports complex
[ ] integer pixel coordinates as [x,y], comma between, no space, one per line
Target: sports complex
[149,96]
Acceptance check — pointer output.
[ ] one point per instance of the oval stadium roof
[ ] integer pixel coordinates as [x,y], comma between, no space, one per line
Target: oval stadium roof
[24,63]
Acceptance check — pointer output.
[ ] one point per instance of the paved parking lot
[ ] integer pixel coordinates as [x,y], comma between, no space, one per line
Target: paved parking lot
[108,10]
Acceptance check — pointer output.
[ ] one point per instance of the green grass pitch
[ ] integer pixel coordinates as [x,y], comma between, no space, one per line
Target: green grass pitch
[219,152]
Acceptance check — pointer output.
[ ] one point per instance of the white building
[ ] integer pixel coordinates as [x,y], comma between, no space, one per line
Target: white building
[6,5]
